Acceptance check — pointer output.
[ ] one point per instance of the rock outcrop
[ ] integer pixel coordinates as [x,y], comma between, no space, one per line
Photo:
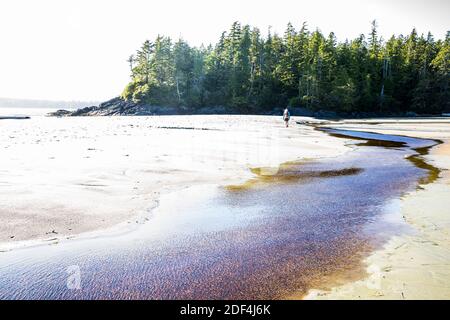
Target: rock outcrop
[117,107]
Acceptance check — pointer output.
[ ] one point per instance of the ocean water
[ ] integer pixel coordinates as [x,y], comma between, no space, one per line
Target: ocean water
[31,112]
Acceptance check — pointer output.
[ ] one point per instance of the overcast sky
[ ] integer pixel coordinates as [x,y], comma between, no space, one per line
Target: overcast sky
[77,49]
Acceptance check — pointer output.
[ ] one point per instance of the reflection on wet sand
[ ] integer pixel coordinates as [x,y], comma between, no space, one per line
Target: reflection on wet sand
[295,227]
[291,172]
[417,159]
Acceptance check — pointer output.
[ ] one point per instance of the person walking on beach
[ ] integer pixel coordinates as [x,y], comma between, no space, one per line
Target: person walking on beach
[286,117]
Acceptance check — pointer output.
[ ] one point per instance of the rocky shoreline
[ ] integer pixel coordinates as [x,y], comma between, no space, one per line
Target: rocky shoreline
[113,107]
[120,107]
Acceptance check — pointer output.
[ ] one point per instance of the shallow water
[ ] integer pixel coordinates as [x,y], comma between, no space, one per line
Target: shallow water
[277,234]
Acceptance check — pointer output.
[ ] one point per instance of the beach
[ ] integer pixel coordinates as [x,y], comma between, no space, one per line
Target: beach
[156,187]
[415,265]
[63,177]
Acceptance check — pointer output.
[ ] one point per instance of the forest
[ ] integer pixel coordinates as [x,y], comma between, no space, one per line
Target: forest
[250,73]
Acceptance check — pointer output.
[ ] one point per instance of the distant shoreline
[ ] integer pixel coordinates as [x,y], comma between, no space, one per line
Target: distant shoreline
[120,107]
[14,118]
[46,104]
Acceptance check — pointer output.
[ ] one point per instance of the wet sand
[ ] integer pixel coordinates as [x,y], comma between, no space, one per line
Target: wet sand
[414,265]
[283,231]
[242,233]
[61,177]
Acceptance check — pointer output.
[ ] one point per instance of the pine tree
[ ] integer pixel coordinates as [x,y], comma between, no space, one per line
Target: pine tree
[247,73]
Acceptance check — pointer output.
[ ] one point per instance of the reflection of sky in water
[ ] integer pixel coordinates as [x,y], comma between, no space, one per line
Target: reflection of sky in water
[409,141]
[209,242]
[206,214]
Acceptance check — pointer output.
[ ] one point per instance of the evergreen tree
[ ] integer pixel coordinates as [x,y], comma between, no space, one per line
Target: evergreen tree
[247,73]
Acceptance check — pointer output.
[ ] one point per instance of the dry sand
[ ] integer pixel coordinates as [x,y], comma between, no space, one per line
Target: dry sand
[67,176]
[416,265]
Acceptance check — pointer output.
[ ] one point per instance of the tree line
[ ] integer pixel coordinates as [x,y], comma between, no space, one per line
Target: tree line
[246,72]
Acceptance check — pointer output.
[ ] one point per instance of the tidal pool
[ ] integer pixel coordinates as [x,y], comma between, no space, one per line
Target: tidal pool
[280,233]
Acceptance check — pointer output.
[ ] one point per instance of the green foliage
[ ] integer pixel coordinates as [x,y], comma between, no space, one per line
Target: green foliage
[127,93]
[248,73]
[296,102]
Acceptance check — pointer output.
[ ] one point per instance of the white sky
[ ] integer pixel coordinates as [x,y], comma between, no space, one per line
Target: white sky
[77,49]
